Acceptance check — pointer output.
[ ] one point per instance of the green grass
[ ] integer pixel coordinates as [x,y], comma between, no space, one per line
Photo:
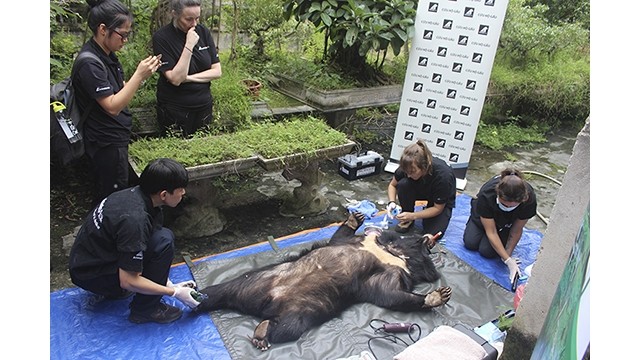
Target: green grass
[511,134]
[270,139]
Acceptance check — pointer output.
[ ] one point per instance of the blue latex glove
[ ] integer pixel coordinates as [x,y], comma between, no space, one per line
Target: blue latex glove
[366,207]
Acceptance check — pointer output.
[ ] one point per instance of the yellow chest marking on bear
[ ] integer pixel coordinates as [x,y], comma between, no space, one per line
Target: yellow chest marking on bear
[369,244]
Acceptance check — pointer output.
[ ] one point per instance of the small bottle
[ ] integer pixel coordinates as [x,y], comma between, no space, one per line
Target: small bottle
[65,122]
[395,211]
[198,296]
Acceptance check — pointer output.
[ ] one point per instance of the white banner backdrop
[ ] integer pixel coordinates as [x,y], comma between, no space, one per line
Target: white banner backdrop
[450,63]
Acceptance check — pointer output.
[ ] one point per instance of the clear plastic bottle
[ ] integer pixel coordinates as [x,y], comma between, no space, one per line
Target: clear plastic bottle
[65,122]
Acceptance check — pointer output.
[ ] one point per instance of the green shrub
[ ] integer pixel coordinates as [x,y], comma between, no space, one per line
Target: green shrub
[231,104]
[297,134]
[270,139]
[542,71]
[509,134]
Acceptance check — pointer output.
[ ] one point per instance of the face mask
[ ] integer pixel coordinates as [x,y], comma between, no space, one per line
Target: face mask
[504,208]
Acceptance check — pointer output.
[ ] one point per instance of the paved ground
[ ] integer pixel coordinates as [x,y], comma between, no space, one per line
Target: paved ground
[253,222]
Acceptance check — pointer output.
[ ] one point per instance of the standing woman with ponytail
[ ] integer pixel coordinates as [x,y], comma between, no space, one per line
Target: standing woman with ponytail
[190,62]
[421,176]
[103,92]
[499,213]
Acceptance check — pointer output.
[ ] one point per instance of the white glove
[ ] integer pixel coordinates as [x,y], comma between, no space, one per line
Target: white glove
[514,270]
[393,209]
[183,293]
[189,283]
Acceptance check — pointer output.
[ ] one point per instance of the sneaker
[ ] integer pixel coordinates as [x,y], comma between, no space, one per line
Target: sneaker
[404,226]
[163,314]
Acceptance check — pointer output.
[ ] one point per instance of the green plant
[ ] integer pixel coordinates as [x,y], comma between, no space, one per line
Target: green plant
[527,36]
[191,152]
[560,11]
[353,28]
[277,100]
[297,134]
[257,17]
[231,104]
[317,75]
[63,43]
[505,320]
[269,139]
[510,134]
[541,72]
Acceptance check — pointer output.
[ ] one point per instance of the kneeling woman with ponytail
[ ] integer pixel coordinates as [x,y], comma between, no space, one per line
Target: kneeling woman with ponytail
[499,213]
[421,176]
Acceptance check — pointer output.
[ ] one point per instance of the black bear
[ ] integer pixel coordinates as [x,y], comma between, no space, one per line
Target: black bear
[291,297]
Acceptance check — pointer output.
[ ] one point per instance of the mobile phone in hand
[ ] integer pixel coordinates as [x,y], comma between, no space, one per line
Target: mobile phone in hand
[514,283]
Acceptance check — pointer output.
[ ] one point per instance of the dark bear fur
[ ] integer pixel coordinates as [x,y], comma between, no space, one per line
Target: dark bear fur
[315,286]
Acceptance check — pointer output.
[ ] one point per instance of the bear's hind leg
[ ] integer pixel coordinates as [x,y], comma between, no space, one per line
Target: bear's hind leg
[259,339]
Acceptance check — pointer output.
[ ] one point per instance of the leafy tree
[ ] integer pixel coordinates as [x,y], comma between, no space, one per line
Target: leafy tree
[257,17]
[559,11]
[353,28]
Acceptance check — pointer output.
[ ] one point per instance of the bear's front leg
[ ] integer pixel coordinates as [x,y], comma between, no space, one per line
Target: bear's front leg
[355,220]
[437,297]
[345,232]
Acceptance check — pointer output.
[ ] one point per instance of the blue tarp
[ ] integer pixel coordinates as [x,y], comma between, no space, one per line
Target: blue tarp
[82,326]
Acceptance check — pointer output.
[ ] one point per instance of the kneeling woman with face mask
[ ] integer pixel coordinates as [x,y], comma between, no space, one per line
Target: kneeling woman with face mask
[499,213]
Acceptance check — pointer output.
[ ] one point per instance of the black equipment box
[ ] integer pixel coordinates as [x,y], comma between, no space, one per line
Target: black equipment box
[353,167]
[492,353]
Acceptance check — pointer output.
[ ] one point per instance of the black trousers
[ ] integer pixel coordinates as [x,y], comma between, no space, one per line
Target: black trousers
[156,265]
[408,193]
[188,121]
[111,169]
[475,238]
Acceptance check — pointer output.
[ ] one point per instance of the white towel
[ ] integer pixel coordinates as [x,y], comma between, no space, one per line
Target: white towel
[443,343]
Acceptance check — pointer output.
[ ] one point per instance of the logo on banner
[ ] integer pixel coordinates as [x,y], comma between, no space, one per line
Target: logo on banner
[471,84]
[451,93]
[445,108]
[468,12]
[408,135]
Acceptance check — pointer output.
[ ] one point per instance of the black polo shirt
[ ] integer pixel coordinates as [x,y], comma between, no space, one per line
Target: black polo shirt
[484,205]
[169,41]
[439,187]
[115,234]
[92,82]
